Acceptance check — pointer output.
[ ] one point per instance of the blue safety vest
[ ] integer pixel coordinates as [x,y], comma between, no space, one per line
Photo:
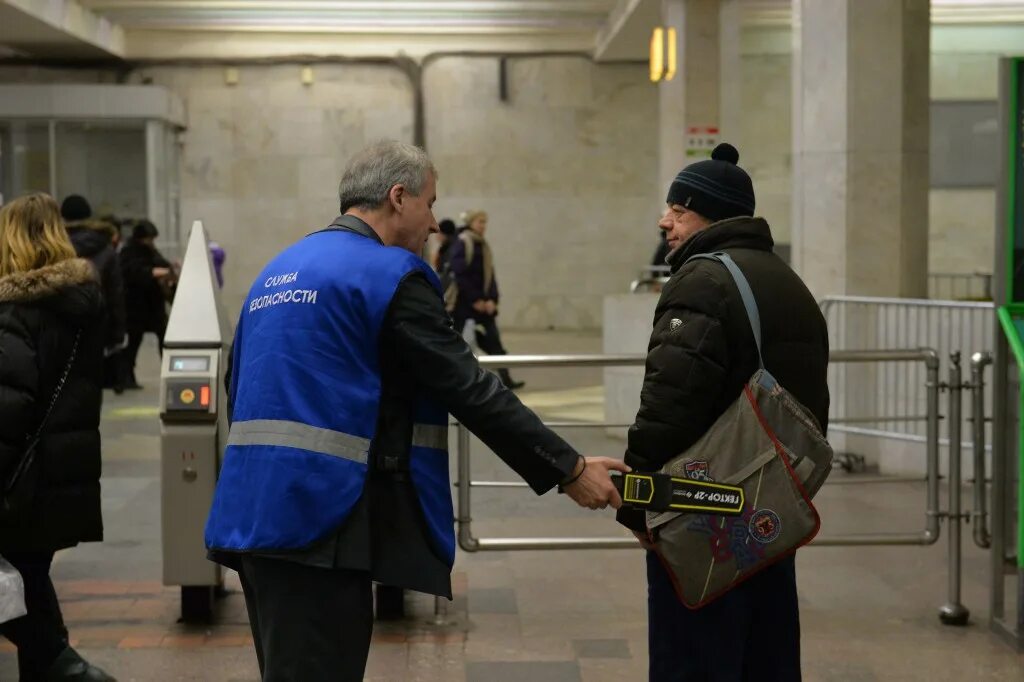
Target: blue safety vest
[306,392]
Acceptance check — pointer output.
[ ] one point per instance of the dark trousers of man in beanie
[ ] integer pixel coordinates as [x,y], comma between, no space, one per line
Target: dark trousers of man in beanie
[749,631]
[701,354]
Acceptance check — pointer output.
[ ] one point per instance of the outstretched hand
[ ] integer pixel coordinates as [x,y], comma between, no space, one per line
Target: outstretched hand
[593,488]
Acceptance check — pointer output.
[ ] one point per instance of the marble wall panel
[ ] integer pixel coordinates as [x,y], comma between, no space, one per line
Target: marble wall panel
[964,239]
[552,82]
[262,159]
[822,237]
[208,176]
[875,238]
[964,76]
[567,166]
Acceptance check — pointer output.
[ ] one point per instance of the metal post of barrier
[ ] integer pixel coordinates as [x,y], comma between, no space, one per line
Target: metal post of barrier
[466,540]
[932,436]
[953,612]
[979,517]
[930,534]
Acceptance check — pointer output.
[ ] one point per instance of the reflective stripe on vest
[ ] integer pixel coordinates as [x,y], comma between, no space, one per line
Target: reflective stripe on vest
[301,436]
[306,400]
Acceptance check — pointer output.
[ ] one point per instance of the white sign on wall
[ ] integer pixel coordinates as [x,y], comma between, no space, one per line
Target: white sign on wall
[701,141]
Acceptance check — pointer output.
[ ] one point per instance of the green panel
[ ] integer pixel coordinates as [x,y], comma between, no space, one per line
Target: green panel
[1011,318]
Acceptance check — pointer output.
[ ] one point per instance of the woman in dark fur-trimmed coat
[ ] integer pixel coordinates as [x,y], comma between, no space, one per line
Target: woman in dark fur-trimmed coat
[48,298]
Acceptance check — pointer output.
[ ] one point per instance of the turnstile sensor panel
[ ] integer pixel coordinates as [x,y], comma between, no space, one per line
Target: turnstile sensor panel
[190,396]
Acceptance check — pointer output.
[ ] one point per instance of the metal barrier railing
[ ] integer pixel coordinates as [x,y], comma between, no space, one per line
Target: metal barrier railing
[890,401]
[647,285]
[471,543]
[953,612]
[960,286]
[650,278]
[942,286]
[979,515]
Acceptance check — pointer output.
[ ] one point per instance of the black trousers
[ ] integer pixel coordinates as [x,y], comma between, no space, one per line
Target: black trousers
[40,635]
[489,340]
[131,353]
[309,624]
[750,634]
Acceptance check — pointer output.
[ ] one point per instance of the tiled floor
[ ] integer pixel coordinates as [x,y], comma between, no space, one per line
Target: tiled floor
[867,613]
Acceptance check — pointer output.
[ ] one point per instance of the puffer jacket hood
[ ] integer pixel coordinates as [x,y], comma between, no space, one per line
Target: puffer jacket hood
[91,236]
[57,287]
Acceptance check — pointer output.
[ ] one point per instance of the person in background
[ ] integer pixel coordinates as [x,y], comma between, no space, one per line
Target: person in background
[443,264]
[95,240]
[473,267]
[219,256]
[446,237]
[147,278]
[661,252]
[51,351]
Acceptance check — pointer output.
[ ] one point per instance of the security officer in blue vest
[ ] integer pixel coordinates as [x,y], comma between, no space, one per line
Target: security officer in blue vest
[345,367]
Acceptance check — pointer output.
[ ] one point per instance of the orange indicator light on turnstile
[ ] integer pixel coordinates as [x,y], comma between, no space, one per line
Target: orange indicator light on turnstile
[204,396]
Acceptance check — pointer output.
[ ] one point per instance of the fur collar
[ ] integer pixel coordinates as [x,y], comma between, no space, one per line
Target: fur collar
[94,225]
[33,285]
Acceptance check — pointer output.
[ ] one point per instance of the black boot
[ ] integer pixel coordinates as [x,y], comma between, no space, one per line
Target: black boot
[506,379]
[70,667]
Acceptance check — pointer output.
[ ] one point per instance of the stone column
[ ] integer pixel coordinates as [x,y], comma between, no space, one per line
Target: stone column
[860,146]
[691,99]
[730,70]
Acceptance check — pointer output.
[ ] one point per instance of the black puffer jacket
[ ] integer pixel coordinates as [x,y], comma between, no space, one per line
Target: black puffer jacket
[145,306]
[93,240]
[702,349]
[40,311]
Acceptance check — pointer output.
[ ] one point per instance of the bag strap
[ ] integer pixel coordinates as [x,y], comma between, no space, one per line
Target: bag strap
[749,302]
[468,244]
[60,385]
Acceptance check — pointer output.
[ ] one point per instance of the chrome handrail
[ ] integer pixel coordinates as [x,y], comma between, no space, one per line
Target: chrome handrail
[929,535]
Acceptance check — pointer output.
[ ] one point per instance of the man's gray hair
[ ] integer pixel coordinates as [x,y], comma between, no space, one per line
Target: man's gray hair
[372,173]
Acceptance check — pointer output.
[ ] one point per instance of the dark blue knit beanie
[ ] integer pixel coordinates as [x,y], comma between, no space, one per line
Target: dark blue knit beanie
[717,188]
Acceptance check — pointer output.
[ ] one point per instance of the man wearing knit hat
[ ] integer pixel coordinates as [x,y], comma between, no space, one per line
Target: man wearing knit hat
[701,354]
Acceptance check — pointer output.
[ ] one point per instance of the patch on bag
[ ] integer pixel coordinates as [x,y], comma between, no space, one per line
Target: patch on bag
[674,324]
[729,538]
[765,526]
[697,470]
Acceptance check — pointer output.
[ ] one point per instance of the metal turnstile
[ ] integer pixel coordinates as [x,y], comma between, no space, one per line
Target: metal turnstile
[193,428]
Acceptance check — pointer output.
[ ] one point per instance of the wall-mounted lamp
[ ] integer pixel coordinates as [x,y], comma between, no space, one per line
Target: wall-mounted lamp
[663,54]
[306,75]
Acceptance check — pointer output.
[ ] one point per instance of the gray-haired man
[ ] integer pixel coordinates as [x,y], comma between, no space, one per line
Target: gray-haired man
[336,472]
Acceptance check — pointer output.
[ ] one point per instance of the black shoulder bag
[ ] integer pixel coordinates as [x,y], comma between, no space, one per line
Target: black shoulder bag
[20,484]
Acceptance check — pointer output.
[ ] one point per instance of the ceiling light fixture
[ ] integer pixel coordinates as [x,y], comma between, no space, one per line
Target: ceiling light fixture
[663,60]
[657,60]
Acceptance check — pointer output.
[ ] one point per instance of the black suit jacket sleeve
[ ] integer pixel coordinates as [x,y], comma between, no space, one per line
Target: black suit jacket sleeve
[438,359]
